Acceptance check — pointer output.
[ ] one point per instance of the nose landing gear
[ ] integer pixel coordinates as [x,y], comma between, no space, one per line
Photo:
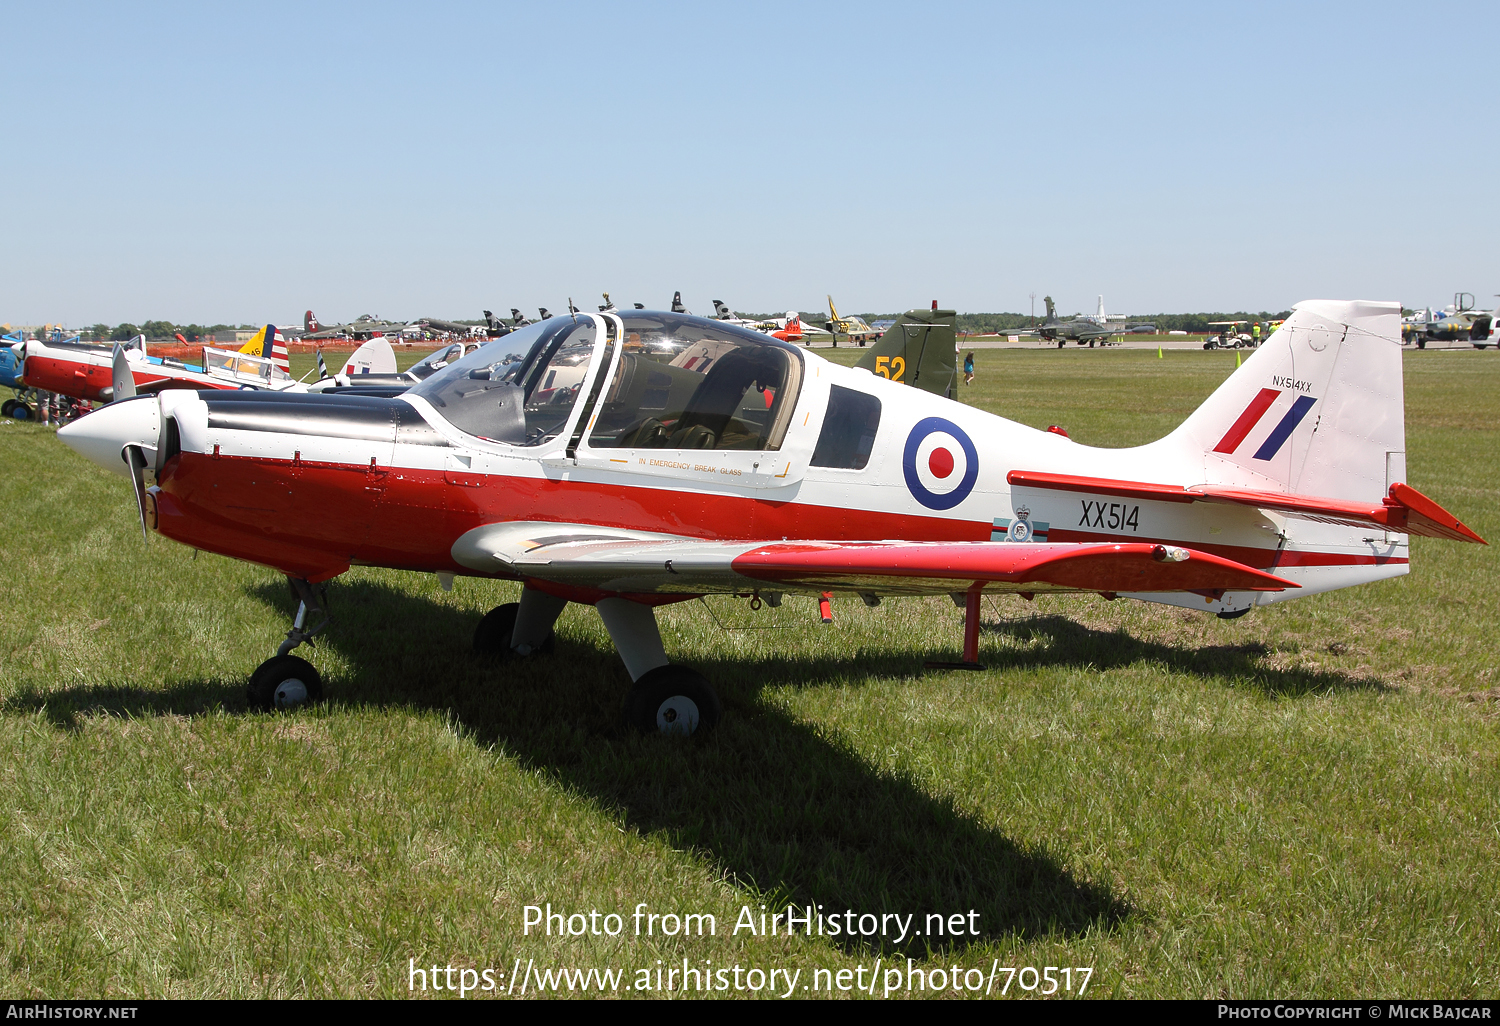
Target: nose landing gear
[285,681]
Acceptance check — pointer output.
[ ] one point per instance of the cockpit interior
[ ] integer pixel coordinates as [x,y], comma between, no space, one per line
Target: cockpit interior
[673,382]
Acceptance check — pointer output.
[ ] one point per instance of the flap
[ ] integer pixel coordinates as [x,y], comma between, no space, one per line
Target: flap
[619,560]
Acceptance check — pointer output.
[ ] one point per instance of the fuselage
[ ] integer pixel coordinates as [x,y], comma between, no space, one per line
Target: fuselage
[86,371]
[311,485]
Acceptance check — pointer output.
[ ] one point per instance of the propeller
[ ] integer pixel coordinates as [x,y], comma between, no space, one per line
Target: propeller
[136,459]
[124,438]
[124,384]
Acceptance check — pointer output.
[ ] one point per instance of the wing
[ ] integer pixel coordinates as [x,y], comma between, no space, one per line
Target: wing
[633,562]
[1405,510]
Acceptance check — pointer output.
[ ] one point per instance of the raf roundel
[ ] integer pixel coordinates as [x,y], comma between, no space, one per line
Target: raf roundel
[940,463]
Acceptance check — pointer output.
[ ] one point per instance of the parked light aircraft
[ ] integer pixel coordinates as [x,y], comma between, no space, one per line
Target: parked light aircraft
[638,458]
[90,371]
[373,366]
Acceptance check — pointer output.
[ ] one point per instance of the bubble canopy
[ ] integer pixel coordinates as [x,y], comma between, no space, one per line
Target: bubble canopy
[666,381]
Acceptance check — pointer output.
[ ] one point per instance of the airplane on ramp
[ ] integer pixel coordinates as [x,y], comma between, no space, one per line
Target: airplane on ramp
[1081,329]
[853,326]
[638,458]
[360,329]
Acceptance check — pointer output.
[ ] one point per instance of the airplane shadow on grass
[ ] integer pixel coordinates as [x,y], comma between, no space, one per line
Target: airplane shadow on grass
[1066,642]
[764,799]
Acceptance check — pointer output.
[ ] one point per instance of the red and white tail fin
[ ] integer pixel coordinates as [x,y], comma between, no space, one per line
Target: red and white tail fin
[310,322]
[270,344]
[1316,410]
[278,350]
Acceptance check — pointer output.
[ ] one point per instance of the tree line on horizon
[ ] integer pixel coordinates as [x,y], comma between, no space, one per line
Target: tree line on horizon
[971,323]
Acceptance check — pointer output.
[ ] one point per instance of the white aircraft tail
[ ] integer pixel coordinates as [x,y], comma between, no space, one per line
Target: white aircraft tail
[1316,410]
[374,357]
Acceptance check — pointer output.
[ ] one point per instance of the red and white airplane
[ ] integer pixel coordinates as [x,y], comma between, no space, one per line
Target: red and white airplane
[630,459]
[90,371]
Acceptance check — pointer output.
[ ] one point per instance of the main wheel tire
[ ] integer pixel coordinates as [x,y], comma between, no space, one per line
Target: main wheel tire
[6,407]
[284,683]
[493,633]
[672,700]
[21,411]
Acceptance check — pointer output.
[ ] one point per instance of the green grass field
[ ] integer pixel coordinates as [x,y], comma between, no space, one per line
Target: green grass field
[1301,802]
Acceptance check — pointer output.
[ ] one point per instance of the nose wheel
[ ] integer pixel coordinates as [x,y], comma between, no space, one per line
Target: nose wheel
[284,682]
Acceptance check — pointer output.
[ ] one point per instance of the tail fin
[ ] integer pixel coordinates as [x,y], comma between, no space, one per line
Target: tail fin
[677,306]
[919,349]
[721,311]
[374,357]
[310,322]
[1051,309]
[832,311]
[1316,410]
[275,350]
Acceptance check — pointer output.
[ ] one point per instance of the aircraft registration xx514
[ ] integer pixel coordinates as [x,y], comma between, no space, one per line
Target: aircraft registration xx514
[631,459]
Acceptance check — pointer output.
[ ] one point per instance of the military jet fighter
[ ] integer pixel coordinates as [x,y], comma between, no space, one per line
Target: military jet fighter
[1081,329]
[637,458]
[855,327]
[1462,324]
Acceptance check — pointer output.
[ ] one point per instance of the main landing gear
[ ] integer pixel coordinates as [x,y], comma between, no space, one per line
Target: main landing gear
[284,681]
[664,699]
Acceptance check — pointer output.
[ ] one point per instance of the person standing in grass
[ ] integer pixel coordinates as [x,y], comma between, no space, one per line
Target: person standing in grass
[969,369]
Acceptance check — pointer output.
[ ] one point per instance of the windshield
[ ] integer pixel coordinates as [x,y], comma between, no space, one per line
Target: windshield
[690,383]
[517,389]
[435,361]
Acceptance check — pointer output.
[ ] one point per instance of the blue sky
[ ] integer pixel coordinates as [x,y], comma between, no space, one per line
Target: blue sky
[245,162]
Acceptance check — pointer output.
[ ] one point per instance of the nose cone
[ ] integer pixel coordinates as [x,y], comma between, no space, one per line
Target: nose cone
[103,434]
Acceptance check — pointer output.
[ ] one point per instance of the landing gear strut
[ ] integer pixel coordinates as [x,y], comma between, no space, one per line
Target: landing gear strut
[284,681]
[519,628]
[970,661]
[665,699]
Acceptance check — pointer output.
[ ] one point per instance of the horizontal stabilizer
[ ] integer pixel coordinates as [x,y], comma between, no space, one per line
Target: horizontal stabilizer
[1405,510]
